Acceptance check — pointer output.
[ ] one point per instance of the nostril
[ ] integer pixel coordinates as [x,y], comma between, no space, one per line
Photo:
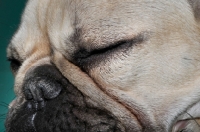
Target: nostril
[28,94]
[31,90]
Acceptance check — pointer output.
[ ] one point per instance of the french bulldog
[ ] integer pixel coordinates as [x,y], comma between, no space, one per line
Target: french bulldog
[106,66]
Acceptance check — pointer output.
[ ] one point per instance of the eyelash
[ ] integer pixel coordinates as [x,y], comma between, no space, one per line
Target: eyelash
[83,54]
[111,48]
[86,60]
[123,44]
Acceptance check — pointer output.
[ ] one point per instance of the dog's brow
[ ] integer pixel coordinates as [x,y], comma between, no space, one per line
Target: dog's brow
[137,39]
[124,43]
[77,40]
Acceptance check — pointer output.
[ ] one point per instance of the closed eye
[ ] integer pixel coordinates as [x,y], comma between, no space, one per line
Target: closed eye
[83,53]
[14,64]
[84,58]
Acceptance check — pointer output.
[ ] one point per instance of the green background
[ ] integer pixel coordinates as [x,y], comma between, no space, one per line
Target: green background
[10,15]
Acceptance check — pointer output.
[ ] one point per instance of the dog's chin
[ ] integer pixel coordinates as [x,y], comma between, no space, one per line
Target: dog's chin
[70,111]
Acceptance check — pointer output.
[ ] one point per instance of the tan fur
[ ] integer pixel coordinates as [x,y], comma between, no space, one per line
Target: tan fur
[154,82]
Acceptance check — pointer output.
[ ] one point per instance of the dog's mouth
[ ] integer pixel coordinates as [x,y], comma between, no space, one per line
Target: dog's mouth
[70,111]
[189,121]
[72,114]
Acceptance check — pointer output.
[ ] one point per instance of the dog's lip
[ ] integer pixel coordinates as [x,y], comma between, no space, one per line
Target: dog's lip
[192,114]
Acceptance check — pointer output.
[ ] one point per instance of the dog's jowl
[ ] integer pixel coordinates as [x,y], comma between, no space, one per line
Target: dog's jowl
[111,65]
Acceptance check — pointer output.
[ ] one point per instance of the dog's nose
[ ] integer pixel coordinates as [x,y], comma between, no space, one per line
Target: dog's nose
[40,88]
[42,83]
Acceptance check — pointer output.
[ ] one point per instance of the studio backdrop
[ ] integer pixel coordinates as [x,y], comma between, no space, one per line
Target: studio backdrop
[10,13]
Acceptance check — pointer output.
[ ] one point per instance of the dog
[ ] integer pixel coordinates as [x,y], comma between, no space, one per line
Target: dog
[103,66]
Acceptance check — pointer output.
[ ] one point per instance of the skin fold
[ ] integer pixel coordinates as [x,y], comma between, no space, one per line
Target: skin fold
[110,65]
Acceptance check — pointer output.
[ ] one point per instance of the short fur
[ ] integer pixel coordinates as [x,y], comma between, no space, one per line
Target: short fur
[138,61]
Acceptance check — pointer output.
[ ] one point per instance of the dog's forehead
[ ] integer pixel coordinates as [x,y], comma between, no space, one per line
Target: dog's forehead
[99,23]
[91,24]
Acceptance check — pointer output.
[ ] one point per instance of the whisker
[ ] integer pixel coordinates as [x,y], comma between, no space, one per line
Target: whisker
[193,118]
[10,26]
[4,103]
[1,115]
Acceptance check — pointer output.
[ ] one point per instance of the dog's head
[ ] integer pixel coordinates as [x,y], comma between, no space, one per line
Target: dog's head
[83,65]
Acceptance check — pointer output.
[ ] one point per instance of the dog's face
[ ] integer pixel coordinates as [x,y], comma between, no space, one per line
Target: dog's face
[106,66]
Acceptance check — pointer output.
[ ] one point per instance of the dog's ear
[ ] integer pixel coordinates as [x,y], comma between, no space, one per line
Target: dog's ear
[195,4]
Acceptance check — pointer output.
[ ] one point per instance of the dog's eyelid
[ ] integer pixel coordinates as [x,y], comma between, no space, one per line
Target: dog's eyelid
[141,37]
[124,43]
[134,41]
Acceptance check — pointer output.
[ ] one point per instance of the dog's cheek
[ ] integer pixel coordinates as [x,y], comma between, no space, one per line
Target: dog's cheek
[122,71]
